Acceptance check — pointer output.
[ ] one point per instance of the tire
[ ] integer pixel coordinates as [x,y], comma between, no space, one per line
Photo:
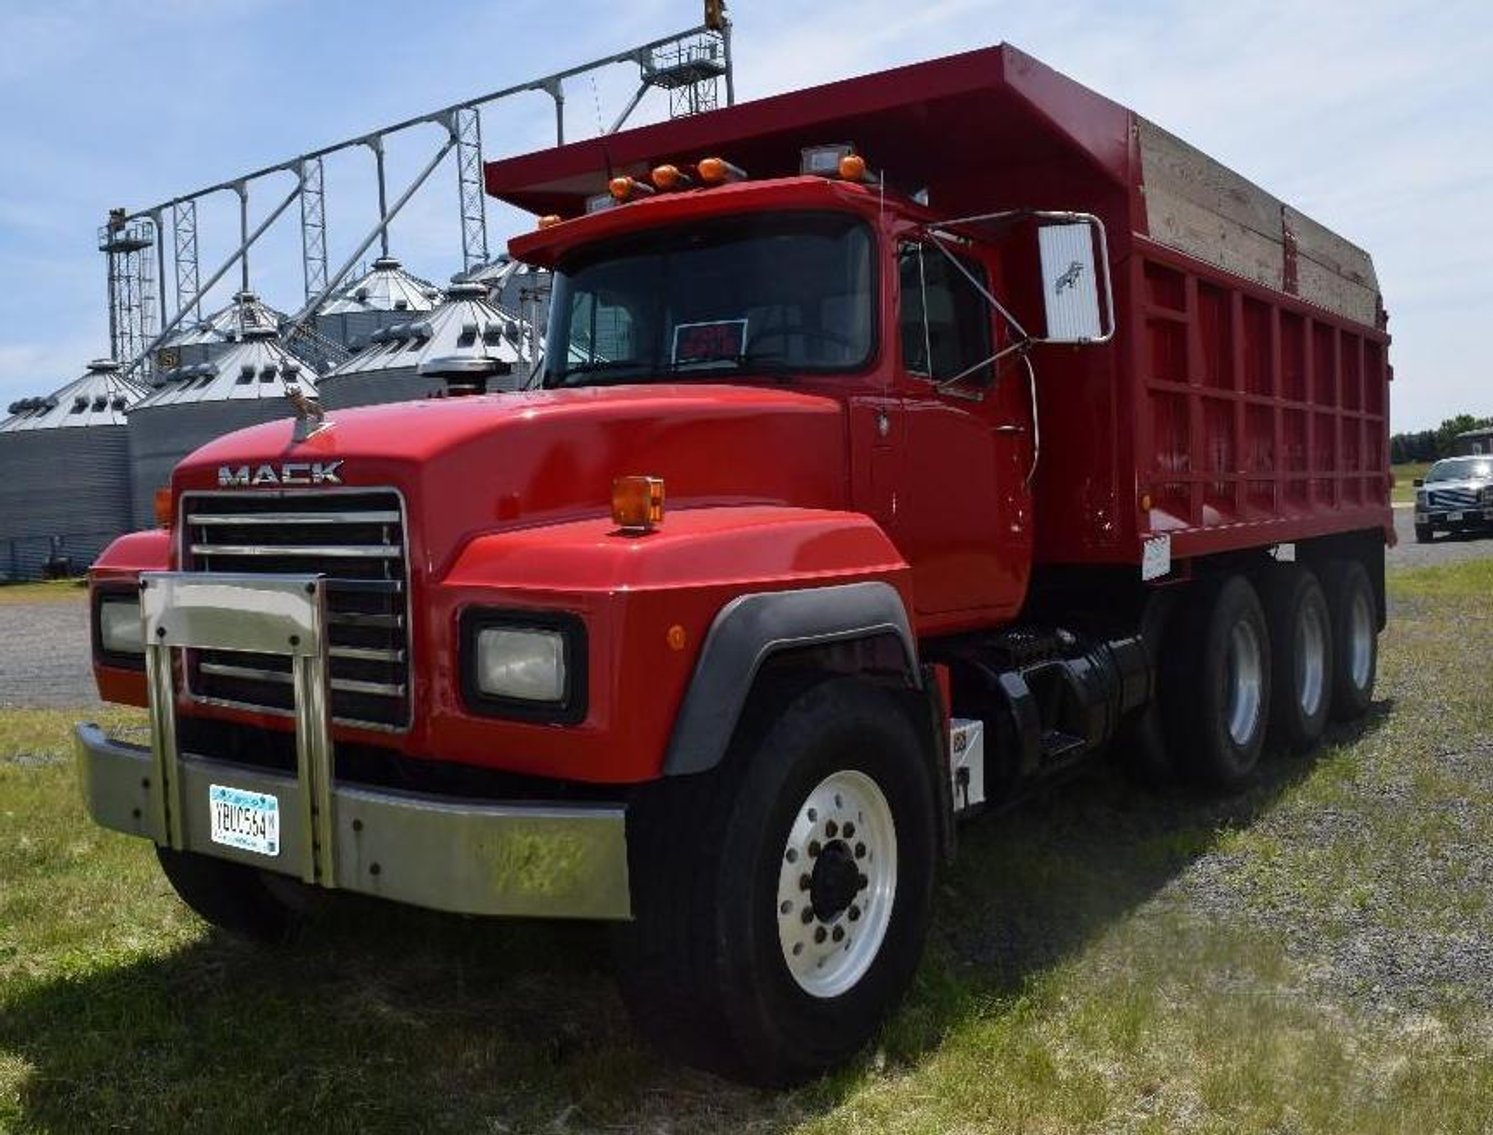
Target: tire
[1355,637]
[1424,533]
[1140,742]
[1216,685]
[707,966]
[231,896]
[1300,657]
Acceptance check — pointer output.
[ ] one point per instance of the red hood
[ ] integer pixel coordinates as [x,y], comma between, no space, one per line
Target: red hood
[470,465]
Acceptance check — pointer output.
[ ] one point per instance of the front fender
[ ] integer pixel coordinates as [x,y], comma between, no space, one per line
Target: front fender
[650,603]
[122,562]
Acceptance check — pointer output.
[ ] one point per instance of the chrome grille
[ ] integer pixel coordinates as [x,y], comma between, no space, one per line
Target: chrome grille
[1453,498]
[355,539]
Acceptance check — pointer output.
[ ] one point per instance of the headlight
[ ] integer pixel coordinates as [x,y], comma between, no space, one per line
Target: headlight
[118,636]
[523,664]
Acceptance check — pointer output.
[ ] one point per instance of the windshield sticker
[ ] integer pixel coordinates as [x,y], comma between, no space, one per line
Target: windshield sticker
[721,341]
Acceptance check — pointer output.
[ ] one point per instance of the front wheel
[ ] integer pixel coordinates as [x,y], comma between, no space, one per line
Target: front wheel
[236,898]
[1424,533]
[781,901]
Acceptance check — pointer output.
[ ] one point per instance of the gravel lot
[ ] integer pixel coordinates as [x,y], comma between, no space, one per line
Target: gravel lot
[44,644]
[44,654]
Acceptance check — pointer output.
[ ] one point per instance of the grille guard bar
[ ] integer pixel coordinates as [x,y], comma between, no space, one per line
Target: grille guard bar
[264,614]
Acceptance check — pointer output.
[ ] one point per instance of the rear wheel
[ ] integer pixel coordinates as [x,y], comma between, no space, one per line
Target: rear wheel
[1216,685]
[231,896]
[1300,657]
[781,900]
[1355,636]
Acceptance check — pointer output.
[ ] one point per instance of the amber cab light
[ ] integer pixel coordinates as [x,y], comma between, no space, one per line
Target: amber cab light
[163,506]
[550,220]
[637,504]
[626,188]
[668,177]
[718,171]
[853,168]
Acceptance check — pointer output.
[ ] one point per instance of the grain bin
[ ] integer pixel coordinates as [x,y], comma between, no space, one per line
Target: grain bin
[191,405]
[380,298]
[65,474]
[466,334]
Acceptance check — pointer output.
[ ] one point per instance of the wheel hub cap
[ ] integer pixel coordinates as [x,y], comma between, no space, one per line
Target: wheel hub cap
[837,882]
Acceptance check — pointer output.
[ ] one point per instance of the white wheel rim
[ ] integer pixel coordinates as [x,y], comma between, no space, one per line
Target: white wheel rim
[1360,641]
[1311,660]
[831,924]
[1244,679]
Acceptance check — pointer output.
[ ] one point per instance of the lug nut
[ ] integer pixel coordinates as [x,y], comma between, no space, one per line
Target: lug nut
[798,948]
[839,934]
[791,855]
[805,882]
[831,829]
[861,883]
[786,908]
[813,815]
[848,830]
[819,934]
[814,849]
[853,913]
[860,851]
[808,915]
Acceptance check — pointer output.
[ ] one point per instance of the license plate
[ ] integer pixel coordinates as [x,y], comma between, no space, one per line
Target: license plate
[1453,517]
[248,821]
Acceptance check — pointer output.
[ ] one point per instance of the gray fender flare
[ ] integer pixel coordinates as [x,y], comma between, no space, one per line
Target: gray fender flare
[753,627]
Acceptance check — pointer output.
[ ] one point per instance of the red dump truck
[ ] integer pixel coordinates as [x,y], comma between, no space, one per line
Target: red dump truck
[900,444]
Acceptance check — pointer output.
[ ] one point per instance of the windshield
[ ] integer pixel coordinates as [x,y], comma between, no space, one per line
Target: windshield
[1461,469]
[762,294]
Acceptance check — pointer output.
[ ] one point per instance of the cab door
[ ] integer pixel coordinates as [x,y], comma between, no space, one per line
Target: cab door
[963,508]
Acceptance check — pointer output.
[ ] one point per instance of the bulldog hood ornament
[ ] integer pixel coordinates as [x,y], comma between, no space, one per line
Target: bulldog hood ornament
[311,417]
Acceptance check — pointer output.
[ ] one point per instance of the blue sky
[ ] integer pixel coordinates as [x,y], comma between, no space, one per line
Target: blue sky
[1375,118]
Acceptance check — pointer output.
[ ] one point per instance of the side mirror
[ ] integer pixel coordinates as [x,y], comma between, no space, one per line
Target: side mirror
[1418,482]
[1076,293]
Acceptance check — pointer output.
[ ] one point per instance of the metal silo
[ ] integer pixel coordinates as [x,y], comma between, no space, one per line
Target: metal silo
[518,289]
[65,474]
[382,297]
[210,336]
[466,335]
[191,405]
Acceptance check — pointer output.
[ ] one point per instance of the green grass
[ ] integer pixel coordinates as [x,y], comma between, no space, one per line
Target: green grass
[60,590]
[1404,480]
[1102,960]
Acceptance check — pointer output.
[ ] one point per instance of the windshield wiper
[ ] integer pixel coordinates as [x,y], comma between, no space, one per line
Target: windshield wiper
[600,366]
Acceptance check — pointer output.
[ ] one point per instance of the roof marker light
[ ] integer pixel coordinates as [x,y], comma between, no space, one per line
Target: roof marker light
[549,220]
[627,188]
[718,171]
[669,177]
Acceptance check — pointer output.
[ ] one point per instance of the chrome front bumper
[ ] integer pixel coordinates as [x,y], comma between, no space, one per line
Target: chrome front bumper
[471,857]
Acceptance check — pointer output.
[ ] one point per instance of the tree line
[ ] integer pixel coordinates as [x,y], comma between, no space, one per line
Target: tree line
[1432,445]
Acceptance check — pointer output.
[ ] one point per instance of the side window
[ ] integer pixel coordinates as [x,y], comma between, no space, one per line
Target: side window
[945,320]
[600,331]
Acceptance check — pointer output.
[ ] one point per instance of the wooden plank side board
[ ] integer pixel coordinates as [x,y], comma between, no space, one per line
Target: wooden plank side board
[1201,208]
[1332,272]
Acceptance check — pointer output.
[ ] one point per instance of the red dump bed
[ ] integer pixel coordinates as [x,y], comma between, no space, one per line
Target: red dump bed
[1243,400]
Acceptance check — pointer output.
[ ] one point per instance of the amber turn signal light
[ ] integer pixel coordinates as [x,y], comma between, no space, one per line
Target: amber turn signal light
[550,220]
[163,507]
[637,504]
[626,188]
[718,171]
